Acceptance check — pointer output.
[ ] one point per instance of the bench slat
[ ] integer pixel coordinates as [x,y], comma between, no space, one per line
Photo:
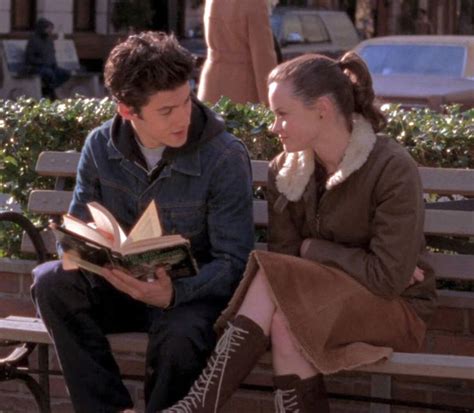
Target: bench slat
[49,202]
[260,172]
[426,365]
[412,364]
[456,267]
[64,164]
[30,329]
[55,163]
[438,222]
[48,239]
[447,180]
[128,342]
[435,180]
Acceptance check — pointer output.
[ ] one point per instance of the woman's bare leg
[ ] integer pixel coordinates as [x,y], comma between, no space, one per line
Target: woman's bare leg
[287,357]
[258,304]
[246,339]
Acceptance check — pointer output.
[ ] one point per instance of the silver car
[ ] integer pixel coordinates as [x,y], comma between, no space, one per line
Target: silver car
[419,71]
[300,31]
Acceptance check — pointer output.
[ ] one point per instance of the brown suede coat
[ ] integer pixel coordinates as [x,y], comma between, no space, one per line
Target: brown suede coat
[347,301]
[240,51]
[367,221]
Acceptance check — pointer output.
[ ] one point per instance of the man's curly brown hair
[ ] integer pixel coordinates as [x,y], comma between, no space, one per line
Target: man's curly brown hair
[144,64]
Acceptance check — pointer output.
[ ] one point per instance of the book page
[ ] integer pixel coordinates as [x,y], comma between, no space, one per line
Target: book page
[76,226]
[107,223]
[148,226]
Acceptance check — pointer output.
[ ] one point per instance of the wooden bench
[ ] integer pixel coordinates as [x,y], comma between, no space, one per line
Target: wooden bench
[14,83]
[17,84]
[450,221]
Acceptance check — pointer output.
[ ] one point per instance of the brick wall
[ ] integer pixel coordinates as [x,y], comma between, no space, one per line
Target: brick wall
[450,332]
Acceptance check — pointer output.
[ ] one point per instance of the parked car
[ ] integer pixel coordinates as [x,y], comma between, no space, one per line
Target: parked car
[300,30]
[421,70]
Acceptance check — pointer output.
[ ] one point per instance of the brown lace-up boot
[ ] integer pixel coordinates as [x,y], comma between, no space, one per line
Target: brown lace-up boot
[300,396]
[236,352]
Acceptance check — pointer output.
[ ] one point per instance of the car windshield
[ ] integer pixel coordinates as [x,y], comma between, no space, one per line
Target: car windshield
[390,59]
[304,28]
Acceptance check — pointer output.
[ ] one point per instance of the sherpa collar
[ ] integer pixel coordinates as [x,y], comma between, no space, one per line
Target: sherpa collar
[293,177]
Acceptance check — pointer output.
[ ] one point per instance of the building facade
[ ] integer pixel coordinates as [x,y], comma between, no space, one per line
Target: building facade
[399,16]
[91,22]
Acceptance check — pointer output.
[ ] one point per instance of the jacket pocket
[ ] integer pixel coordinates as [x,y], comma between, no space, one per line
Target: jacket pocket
[187,220]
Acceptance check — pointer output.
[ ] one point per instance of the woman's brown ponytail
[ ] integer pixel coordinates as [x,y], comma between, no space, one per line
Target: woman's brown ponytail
[346,80]
[357,71]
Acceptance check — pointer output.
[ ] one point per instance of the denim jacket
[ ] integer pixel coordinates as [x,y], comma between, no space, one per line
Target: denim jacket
[203,191]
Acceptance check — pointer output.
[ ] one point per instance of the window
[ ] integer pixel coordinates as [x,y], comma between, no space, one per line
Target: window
[23,15]
[292,29]
[300,28]
[84,15]
[415,59]
[313,29]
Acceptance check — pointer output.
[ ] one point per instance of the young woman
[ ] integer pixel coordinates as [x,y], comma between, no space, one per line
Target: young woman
[345,280]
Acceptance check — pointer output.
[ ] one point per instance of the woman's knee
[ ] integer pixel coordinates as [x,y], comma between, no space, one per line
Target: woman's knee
[260,287]
[260,279]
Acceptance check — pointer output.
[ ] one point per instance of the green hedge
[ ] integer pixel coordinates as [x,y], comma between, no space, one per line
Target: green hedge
[28,127]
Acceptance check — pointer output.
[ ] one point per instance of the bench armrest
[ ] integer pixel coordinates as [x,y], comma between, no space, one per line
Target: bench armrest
[30,229]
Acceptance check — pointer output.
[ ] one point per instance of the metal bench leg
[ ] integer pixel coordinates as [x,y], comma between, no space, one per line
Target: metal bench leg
[13,368]
[43,365]
[41,398]
[380,386]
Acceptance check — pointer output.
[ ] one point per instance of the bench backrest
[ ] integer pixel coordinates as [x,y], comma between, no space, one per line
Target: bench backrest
[15,54]
[66,54]
[442,222]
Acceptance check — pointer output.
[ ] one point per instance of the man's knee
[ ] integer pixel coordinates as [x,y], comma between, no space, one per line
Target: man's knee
[51,282]
[45,277]
[179,349]
[182,344]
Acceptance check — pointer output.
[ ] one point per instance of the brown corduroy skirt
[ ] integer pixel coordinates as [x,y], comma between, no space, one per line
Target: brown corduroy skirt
[337,323]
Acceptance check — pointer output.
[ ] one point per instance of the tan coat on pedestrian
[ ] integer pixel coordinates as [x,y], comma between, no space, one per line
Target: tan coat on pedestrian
[240,51]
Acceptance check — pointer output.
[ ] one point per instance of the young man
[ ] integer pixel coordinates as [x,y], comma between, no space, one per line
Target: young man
[165,145]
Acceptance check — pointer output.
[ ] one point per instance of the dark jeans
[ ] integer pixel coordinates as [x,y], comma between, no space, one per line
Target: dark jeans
[79,309]
[51,78]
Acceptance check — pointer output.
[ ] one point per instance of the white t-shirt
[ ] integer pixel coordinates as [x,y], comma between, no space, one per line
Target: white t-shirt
[152,155]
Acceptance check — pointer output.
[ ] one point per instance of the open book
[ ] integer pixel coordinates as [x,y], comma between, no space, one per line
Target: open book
[103,242]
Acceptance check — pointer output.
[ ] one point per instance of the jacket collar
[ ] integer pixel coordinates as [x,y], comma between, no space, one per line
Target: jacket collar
[298,167]
[205,125]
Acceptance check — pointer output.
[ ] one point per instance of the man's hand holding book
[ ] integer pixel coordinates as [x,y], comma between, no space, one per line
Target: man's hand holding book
[141,264]
[158,292]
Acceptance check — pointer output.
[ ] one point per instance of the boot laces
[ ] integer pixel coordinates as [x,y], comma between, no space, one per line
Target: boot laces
[214,371]
[286,401]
